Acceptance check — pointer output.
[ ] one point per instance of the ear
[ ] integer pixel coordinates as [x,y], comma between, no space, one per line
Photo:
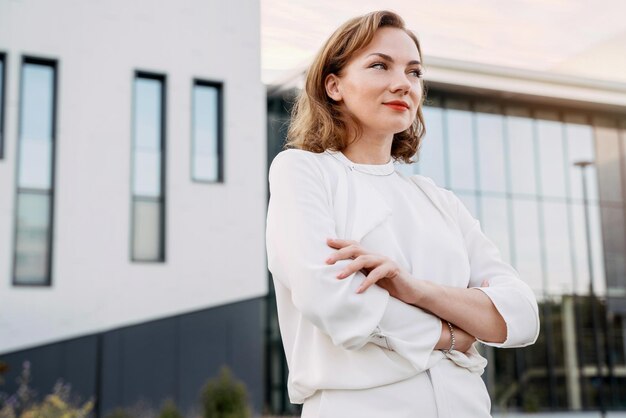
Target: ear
[331,83]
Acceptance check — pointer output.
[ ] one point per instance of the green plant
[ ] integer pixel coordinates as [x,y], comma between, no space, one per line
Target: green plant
[59,403]
[169,410]
[225,397]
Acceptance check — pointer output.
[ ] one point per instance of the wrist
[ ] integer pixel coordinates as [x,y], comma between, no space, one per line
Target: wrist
[445,338]
[423,294]
[452,339]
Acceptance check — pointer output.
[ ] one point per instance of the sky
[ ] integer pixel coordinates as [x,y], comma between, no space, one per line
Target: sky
[574,37]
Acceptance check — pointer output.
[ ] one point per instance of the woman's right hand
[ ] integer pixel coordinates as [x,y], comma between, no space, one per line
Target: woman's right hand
[462,340]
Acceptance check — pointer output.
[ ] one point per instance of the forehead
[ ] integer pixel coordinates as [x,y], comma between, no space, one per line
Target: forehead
[391,41]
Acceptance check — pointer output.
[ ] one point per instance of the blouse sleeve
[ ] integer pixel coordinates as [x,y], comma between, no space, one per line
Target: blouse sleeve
[299,219]
[511,296]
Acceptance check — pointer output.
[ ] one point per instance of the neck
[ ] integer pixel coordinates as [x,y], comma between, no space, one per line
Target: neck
[370,150]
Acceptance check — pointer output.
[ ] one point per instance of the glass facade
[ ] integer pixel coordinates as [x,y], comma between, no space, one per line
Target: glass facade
[560,224]
[148,169]
[207,144]
[35,173]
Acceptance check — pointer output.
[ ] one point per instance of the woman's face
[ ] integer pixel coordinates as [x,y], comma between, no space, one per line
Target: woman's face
[387,70]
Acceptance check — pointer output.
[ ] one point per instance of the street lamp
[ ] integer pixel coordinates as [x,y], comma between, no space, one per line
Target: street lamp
[592,295]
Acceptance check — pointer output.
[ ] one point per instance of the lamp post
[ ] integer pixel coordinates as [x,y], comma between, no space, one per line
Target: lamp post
[592,295]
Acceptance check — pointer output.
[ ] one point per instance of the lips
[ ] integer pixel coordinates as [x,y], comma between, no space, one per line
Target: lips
[397,104]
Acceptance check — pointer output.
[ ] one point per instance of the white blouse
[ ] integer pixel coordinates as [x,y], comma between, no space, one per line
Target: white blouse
[335,338]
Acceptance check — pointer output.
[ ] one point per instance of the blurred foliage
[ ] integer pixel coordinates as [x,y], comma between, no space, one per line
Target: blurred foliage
[169,410]
[59,404]
[225,397]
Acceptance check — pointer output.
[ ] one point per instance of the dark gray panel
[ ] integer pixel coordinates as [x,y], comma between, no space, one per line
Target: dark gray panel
[149,362]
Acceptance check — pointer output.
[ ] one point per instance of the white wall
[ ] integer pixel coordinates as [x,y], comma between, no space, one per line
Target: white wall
[214,232]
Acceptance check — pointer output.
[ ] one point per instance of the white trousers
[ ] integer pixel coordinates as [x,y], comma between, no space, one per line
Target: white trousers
[445,391]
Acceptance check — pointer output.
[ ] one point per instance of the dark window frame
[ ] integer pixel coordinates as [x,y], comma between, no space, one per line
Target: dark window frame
[53,63]
[161,77]
[219,86]
[3,89]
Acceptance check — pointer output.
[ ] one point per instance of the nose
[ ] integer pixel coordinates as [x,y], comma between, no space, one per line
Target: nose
[400,83]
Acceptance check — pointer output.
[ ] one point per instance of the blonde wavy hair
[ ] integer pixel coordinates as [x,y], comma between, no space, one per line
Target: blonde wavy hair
[317,122]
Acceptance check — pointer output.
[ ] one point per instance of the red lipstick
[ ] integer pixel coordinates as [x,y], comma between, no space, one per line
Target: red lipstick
[397,105]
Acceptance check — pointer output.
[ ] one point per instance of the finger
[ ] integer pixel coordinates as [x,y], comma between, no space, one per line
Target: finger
[359,263]
[351,251]
[485,283]
[372,278]
[339,243]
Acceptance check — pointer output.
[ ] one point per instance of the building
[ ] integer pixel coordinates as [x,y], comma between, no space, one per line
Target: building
[132,170]
[507,141]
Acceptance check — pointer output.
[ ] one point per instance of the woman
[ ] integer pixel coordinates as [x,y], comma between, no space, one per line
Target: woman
[383,282]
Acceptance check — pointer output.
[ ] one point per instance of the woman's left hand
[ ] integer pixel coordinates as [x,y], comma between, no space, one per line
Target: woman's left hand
[378,269]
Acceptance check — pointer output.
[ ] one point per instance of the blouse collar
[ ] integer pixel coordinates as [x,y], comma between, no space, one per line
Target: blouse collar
[375,169]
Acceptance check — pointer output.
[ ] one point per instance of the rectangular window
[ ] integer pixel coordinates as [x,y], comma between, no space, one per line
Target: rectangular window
[35,173]
[148,168]
[2,89]
[206,131]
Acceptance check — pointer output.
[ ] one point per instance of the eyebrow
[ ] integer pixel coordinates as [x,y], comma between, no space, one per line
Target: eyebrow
[388,58]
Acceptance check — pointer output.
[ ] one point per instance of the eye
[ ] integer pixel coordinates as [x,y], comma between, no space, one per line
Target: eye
[376,64]
[418,73]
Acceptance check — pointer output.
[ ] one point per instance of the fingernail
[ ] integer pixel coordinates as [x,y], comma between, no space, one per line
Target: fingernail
[360,289]
[340,275]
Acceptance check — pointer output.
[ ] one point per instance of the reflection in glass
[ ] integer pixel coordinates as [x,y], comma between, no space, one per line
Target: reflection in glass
[495,224]
[460,149]
[431,155]
[31,246]
[148,171]
[557,248]
[147,138]
[527,243]
[580,148]
[36,112]
[490,152]
[551,158]
[206,133]
[146,229]
[522,155]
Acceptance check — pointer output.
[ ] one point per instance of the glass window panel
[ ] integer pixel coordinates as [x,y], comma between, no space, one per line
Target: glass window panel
[521,155]
[527,243]
[32,232]
[557,247]
[36,113]
[460,149]
[1,106]
[495,223]
[614,248]
[147,137]
[579,242]
[608,162]
[431,156]
[206,133]
[146,230]
[147,114]
[147,170]
[551,158]
[490,152]
[580,148]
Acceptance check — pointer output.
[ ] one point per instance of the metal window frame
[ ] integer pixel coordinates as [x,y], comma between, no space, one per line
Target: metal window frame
[53,63]
[162,78]
[219,86]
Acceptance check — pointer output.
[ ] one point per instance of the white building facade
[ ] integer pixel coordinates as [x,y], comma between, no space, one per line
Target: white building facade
[133,183]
